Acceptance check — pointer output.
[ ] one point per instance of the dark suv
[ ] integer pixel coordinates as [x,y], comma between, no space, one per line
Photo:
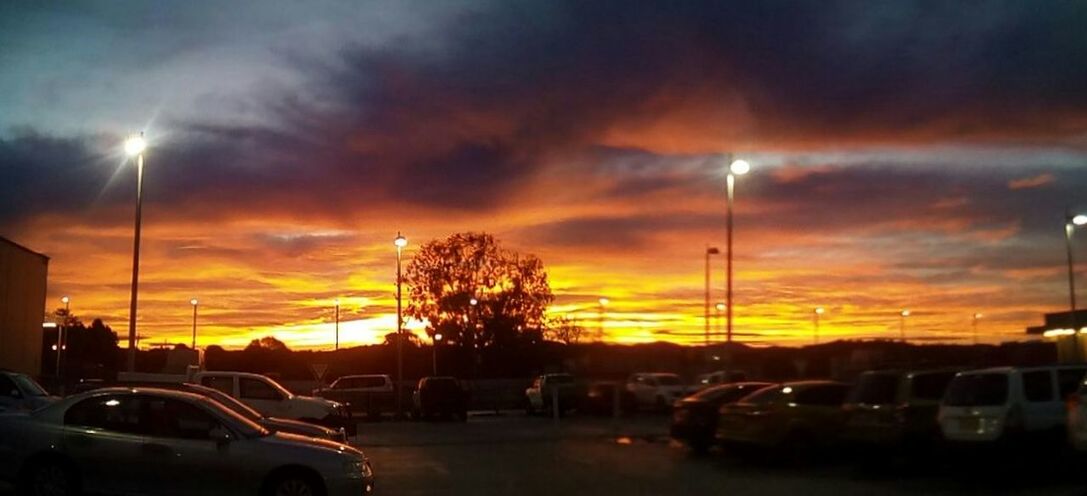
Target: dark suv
[440,396]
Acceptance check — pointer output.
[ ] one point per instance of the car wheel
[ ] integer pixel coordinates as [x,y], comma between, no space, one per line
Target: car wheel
[49,478]
[294,484]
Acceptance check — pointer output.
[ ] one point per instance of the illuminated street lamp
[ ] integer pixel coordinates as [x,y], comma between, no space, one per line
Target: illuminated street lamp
[709,251]
[902,324]
[815,314]
[61,346]
[1070,225]
[400,242]
[134,147]
[736,168]
[195,303]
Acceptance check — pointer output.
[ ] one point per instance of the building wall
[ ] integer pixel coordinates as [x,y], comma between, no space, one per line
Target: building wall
[23,276]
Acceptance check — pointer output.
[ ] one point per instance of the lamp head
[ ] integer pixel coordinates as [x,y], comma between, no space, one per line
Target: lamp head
[604,302]
[194,302]
[400,241]
[739,167]
[65,300]
[819,310]
[135,145]
[1079,220]
[719,306]
[905,313]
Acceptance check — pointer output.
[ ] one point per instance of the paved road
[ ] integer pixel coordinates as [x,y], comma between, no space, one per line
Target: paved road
[512,454]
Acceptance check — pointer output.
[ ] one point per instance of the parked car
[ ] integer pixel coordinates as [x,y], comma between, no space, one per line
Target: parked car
[440,396]
[1009,404]
[789,418]
[891,408]
[694,418]
[20,392]
[273,400]
[656,389]
[371,393]
[271,423]
[1077,418]
[157,441]
[540,394]
[600,398]
[720,377]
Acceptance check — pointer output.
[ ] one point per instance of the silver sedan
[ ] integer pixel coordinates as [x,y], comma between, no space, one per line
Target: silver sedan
[155,441]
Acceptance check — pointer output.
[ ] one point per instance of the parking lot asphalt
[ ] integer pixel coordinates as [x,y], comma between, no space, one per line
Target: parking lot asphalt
[514,454]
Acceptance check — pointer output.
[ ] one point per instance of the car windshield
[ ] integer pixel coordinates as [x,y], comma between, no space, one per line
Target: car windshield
[977,390]
[767,395]
[29,386]
[668,380]
[247,427]
[875,389]
[232,404]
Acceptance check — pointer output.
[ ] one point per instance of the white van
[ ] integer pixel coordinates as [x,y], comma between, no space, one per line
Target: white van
[994,404]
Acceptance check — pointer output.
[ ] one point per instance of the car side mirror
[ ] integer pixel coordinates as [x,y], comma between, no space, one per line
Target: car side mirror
[220,435]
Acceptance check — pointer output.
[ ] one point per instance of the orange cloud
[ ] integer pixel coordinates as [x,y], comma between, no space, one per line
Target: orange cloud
[1031,182]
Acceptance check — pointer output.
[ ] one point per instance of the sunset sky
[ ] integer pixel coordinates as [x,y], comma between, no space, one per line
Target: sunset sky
[914,155]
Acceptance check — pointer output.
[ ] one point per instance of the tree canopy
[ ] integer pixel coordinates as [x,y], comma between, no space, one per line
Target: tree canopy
[510,291]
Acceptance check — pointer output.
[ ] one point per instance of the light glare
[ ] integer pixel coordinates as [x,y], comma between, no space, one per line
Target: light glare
[740,167]
[1080,220]
[135,145]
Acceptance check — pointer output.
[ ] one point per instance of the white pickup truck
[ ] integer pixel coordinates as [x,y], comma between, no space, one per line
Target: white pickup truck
[262,394]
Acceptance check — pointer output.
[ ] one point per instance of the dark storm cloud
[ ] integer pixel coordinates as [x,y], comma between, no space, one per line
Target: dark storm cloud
[467,115]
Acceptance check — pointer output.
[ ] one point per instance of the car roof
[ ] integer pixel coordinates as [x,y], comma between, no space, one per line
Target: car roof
[1009,370]
[360,376]
[812,383]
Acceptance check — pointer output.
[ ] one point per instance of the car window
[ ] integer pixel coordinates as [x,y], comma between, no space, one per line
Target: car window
[370,382]
[767,395]
[344,383]
[232,404]
[930,386]
[1068,381]
[827,395]
[728,393]
[7,387]
[222,383]
[977,390]
[253,389]
[109,413]
[170,418]
[875,389]
[1038,385]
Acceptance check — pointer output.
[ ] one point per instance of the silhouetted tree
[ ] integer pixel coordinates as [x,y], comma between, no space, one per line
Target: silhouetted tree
[409,339]
[511,291]
[268,343]
[563,330]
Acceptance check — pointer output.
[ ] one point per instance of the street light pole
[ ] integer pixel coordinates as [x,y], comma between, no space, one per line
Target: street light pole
[1070,224]
[709,251]
[736,168]
[400,243]
[60,331]
[135,146]
[815,316]
[720,307]
[338,322]
[902,324]
[437,341]
[195,303]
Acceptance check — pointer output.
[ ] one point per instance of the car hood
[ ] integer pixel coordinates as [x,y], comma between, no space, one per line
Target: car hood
[317,401]
[315,443]
[296,427]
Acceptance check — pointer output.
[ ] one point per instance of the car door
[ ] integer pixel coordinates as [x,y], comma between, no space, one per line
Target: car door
[181,447]
[264,398]
[104,435]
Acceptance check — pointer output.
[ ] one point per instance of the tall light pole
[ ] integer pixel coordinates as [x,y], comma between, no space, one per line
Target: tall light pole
[603,312]
[60,330]
[736,168]
[134,147]
[1070,224]
[976,317]
[474,331]
[902,324]
[400,243]
[195,303]
[337,348]
[709,251]
[815,314]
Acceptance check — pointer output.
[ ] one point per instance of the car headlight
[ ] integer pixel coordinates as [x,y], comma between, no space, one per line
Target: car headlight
[358,469]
